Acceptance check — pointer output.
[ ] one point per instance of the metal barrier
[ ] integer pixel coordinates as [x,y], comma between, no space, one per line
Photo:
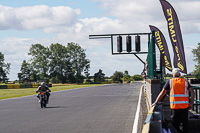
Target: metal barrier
[196,104]
[153,122]
[17,86]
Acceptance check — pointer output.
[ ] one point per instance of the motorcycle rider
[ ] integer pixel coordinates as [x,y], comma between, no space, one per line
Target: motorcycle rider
[43,87]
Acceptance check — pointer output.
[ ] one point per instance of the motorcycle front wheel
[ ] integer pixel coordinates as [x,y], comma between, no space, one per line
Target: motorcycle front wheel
[42,103]
[45,104]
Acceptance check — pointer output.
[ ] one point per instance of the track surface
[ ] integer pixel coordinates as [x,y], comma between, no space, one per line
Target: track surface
[103,109]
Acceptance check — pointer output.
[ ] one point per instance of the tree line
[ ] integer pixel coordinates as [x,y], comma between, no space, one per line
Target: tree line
[59,64]
[4,69]
[116,77]
[67,64]
[62,64]
[56,63]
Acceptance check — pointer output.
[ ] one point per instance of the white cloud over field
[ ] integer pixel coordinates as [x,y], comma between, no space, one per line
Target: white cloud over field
[34,17]
[124,16]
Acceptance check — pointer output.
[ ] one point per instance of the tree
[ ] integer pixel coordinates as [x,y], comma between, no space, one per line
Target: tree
[60,63]
[19,75]
[117,76]
[137,77]
[78,60]
[196,53]
[25,74]
[126,76]
[34,75]
[4,69]
[87,74]
[60,66]
[40,59]
[99,77]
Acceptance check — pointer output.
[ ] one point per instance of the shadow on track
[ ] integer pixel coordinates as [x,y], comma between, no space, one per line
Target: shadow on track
[54,107]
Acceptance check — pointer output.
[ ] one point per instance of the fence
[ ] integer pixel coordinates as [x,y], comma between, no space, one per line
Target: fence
[196,105]
[151,59]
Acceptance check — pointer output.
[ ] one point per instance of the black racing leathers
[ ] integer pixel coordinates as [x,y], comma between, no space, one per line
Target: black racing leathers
[46,89]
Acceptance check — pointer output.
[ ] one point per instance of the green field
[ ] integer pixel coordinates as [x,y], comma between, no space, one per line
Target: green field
[12,93]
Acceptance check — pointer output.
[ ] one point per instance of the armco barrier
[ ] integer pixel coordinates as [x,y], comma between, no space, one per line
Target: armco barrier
[35,85]
[22,86]
[28,85]
[17,86]
[153,122]
[3,86]
[13,86]
[49,85]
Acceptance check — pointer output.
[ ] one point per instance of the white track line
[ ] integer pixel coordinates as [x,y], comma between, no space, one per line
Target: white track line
[17,97]
[135,124]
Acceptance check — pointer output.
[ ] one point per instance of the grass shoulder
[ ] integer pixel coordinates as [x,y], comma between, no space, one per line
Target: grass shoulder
[13,93]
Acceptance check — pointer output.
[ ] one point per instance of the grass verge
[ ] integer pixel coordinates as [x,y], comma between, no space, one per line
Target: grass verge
[13,93]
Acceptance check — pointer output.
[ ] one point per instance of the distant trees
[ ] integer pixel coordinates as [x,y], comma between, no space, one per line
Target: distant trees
[196,53]
[137,77]
[40,59]
[4,69]
[63,64]
[58,63]
[78,61]
[25,74]
[126,76]
[99,76]
[87,74]
[117,76]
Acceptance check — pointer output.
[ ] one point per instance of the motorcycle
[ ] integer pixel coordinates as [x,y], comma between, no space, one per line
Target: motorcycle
[43,99]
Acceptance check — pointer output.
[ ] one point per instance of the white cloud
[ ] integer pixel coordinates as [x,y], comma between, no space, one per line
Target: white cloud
[150,12]
[15,50]
[130,17]
[34,17]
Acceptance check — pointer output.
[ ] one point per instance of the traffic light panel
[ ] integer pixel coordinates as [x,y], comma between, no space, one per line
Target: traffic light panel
[119,44]
[137,43]
[128,43]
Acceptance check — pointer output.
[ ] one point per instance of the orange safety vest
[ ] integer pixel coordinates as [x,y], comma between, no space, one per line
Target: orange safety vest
[179,93]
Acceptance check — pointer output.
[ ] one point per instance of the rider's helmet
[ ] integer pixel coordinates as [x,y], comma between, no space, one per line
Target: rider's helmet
[43,84]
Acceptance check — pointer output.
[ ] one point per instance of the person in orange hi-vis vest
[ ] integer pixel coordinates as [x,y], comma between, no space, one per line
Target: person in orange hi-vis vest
[179,100]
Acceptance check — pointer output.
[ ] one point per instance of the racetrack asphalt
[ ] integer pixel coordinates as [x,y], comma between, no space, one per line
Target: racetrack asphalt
[101,109]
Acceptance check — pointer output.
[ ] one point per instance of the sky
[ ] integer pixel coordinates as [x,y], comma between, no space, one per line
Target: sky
[27,22]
